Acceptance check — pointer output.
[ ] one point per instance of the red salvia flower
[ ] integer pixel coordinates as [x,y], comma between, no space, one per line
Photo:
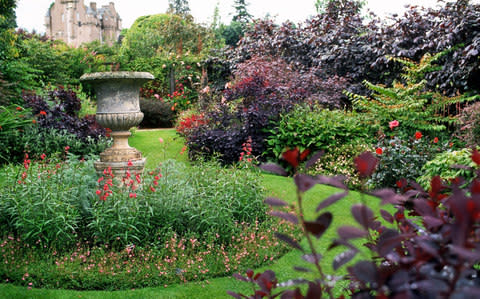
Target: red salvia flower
[379,151]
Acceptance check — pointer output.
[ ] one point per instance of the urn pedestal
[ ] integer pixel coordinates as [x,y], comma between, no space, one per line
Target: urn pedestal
[118,109]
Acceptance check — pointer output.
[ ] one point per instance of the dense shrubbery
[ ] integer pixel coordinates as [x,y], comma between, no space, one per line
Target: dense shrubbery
[156,114]
[59,204]
[182,224]
[402,158]
[317,129]
[57,118]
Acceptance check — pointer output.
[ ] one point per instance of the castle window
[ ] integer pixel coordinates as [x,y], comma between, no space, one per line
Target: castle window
[78,16]
[63,17]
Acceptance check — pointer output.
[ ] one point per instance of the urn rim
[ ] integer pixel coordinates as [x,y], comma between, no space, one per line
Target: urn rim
[99,76]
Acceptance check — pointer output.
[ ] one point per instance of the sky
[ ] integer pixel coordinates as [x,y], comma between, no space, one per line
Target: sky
[31,13]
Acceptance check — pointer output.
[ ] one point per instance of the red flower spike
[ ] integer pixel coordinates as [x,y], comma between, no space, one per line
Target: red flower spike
[365,164]
[476,156]
[292,157]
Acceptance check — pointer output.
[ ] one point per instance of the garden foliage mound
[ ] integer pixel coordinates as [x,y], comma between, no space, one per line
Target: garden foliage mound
[80,231]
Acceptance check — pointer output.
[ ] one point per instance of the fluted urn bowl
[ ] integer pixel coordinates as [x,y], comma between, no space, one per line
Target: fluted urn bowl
[118,109]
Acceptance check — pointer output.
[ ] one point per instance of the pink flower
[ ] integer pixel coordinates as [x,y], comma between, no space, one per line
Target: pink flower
[43,156]
[393,124]
[160,140]
[130,163]
[67,148]
[133,195]
[435,140]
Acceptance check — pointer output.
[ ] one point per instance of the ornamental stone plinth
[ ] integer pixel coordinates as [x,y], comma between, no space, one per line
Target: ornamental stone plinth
[118,109]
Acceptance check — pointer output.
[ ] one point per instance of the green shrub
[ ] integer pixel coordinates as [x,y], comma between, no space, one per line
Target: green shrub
[443,165]
[13,120]
[38,141]
[316,129]
[156,114]
[401,158]
[43,202]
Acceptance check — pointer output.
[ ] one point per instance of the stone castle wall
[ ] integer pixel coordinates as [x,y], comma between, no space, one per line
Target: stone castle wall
[76,23]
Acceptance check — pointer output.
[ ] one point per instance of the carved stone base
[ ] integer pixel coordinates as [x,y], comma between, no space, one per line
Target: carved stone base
[119,168]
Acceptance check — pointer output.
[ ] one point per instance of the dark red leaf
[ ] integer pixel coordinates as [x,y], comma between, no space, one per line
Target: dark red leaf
[320,225]
[365,271]
[388,240]
[331,200]
[287,216]
[274,168]
[436,186]
[313,160]
[471,255]
[343,258]
[239,277]
[304,154]
[288,240]
[387,216]
[351,232]
[310,258]
[275,202]
[235,295]
[304,182]
[250,273]
[431,222]
[292,294]
[302,269]
[475,189]
[314,291]
[292,157]
[476,156]
[388,196]
[335,181]
[365,164]
[363,215]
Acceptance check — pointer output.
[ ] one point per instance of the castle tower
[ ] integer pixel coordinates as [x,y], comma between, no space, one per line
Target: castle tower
[75,23]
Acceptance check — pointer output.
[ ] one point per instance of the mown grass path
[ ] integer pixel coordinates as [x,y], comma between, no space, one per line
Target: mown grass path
[160,145]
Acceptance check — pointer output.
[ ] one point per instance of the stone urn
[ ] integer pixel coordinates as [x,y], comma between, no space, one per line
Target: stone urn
[118,109]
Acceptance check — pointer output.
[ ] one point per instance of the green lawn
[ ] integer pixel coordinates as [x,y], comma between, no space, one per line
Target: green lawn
[156,151]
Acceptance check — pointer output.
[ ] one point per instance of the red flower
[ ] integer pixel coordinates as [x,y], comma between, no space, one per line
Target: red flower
[418,135]
[435,140]
[43,156]
[379,151]
[291,156]
[476,156]
[18,108]
[129,163]
[99,192]
[43,113]
[133,195]
[393,124]
[67,148]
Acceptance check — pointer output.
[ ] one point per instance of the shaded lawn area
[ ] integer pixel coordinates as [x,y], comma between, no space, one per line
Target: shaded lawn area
[281,187]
